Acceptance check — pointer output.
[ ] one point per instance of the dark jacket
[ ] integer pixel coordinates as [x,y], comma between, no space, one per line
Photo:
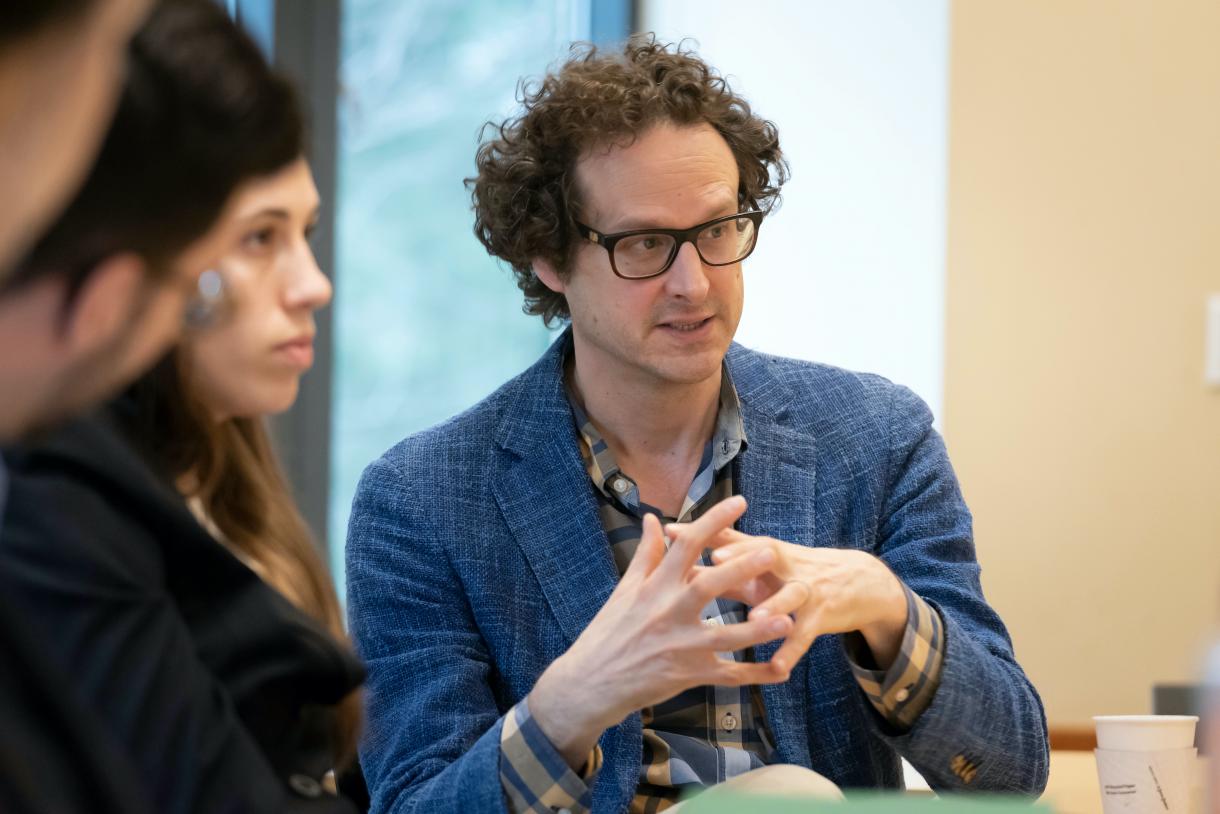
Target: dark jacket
[55,755]
[220,691]
[476,556]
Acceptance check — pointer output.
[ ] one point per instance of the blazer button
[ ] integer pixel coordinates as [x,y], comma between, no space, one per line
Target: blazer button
[305,785]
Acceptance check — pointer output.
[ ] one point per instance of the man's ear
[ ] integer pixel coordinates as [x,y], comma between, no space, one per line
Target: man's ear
[547,274]
[107,300]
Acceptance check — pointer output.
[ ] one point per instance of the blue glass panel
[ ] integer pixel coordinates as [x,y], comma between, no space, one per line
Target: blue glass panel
[258,18]
[425,322]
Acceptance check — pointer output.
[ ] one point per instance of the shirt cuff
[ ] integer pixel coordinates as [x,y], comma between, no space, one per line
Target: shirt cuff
[535,777]
[901,693]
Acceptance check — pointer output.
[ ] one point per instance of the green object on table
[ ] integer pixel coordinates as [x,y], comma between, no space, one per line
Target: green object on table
[863,803]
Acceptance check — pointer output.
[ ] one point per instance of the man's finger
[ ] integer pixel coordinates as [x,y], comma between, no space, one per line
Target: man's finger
[727,638]
[751,592]
[712,582]
[798,641]
[790,598]
[718,518]
[649,552]
[728,537]
[690,541]
[734,550]
[739,674]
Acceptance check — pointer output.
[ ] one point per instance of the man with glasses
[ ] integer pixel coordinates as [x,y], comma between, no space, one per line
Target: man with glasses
[657,561]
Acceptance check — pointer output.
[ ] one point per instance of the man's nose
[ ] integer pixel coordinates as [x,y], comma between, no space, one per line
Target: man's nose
[687,277]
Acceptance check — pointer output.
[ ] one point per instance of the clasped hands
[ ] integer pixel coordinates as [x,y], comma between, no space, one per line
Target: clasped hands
[648,642]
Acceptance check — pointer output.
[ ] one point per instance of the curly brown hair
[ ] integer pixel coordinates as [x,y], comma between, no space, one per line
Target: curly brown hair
[524,193]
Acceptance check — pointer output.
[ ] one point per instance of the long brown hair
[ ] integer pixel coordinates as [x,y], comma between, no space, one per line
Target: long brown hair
[231,468]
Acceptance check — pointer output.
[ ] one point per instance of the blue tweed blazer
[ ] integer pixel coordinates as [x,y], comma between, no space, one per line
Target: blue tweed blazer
[475,557]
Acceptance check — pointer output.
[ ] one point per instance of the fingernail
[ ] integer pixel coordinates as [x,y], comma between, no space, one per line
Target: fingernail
[779,625]
[760,613]
[764,557]
[718,555]
[780,665]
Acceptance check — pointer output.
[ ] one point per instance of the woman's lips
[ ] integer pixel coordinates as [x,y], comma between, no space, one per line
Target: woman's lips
[298,352]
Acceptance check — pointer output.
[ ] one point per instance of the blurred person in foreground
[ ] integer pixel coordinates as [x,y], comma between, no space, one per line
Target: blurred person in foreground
[528,581]
[61,66]
[100,297]
[60,72]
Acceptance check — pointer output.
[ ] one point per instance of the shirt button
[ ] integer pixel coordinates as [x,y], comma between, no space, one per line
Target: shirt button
[305,785]
[902,695]
[620,485]
[728,723]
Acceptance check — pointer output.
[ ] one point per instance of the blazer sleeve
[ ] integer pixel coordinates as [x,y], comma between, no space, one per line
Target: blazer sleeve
[985,728]
[433,729]
[92,584]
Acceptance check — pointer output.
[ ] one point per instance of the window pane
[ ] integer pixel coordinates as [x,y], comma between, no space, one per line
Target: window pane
[425,322]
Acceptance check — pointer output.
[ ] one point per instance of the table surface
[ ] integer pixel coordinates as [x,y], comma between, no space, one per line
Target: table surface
[1072,787]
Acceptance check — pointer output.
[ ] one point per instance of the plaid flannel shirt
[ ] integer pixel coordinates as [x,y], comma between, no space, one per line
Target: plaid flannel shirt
[704,735]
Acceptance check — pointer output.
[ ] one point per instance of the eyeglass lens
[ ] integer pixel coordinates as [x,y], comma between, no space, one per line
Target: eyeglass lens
[718,245]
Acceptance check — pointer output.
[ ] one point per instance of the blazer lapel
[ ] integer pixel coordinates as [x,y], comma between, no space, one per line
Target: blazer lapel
[775,474]
[544,494]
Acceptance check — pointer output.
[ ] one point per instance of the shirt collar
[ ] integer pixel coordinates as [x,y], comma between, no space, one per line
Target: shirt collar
[730,436]
[727,441]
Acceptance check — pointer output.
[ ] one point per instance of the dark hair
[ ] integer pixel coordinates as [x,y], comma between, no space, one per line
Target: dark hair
[524,193]
[200,112]
[28,18]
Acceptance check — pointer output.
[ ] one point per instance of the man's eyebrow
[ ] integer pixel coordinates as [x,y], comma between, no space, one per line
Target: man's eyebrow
[630,223]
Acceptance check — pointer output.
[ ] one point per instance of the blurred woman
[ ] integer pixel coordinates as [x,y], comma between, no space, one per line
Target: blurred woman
[211,651]
[198,417]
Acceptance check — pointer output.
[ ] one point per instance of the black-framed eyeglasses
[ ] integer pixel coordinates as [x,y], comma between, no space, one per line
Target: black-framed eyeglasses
[643,253]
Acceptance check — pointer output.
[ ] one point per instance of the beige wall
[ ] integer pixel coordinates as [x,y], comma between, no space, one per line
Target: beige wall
[1084,234]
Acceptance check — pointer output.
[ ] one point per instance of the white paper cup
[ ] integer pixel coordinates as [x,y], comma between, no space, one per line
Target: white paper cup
[1148,782]
[1145,733]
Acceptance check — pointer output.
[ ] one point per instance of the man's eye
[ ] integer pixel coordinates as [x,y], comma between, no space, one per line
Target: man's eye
[640,245]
